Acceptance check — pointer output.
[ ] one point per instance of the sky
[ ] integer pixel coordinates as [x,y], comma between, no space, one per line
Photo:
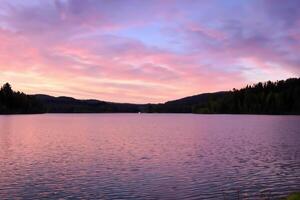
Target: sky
[144,51]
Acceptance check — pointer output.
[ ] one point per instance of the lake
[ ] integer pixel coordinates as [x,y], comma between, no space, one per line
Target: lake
[148,156]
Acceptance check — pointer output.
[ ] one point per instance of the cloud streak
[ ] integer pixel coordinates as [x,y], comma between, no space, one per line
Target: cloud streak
[146,51]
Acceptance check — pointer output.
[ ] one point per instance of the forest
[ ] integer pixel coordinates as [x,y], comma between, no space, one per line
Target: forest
[12,102]
[280,97]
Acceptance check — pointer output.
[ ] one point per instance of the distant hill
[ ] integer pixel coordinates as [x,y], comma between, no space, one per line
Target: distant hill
[71,105]
[280,97]
[185,105]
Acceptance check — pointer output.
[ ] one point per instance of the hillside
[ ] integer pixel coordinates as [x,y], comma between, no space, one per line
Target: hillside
[280,97]
[71,105]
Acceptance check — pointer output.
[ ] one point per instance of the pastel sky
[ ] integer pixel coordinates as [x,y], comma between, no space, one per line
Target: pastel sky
[146,50]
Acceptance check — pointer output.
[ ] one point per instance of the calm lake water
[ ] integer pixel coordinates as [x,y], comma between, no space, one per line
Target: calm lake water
[148,156]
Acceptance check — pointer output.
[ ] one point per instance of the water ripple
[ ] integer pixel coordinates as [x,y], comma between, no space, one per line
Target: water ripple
[128,156]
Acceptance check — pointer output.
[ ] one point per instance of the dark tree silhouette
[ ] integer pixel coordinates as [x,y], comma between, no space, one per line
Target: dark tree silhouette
[6,88]
[18,103]
[280,97]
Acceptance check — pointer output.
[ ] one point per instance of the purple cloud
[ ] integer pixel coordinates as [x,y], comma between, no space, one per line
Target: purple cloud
[119,49]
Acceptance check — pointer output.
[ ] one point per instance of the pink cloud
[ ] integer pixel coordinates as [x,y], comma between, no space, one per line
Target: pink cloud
[86,49]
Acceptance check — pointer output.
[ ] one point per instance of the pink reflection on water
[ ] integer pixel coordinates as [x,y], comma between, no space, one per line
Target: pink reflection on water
[147,156]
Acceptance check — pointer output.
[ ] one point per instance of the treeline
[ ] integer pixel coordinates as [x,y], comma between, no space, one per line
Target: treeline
[184,105]
[17,102]
[280,97]
[71,105]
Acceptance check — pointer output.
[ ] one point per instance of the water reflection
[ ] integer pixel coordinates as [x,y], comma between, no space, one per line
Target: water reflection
[5,143]
[130,156]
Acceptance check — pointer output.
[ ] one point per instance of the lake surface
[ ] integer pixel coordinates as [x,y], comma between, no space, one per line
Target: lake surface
[148,156]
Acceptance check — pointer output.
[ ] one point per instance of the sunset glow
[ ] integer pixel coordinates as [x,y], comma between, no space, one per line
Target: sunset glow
[146,51]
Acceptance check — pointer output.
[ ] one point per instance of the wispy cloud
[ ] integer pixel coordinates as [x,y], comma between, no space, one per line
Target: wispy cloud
[146,51]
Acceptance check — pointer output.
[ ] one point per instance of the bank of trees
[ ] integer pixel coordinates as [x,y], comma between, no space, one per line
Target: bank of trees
[12,102]
[280,97]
